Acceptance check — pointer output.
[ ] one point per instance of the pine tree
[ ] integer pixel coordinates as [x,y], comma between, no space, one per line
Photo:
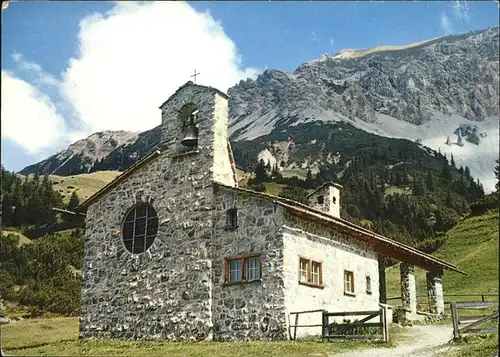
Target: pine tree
[452,162]
[260,172]
[74,201]
[275,173]
[449,200]
[446,173]
[429,182]
[467,172]
[309,179]
[418,187]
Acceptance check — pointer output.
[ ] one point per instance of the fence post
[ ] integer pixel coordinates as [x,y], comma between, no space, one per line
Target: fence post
[382,322]
[325,323]
[295,328]
[385,325]
[482,298]
[454,319]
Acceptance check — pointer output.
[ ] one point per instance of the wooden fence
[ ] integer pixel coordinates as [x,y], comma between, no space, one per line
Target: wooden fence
[296,325]
[348,330]
[422,301]
[473,321]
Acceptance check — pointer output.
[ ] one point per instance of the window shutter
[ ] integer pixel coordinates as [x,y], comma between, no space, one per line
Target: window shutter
[226,270]
[244,264]
[260,263]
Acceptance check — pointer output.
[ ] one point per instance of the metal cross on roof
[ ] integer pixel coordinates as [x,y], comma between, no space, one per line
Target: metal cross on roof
[194,75]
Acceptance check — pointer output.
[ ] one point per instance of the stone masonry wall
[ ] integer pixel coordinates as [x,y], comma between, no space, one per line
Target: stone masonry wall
[336,252]
[435,291]
[164,293]
[408,290]
[254,310]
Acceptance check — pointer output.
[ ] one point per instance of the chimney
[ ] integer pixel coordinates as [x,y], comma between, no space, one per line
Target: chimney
[326,198]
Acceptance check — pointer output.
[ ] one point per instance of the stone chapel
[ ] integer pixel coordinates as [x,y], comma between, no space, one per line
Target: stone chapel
[175,250]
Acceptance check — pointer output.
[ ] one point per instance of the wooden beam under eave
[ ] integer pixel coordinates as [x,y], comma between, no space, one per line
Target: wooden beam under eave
[394,253]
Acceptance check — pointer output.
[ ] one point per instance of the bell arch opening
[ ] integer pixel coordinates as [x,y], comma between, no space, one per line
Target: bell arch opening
[189,133]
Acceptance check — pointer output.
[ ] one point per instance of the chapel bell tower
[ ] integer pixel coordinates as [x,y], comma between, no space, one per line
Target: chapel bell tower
[194,129]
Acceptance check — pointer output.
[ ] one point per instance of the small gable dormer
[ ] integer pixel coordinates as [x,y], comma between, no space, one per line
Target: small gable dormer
[326,198]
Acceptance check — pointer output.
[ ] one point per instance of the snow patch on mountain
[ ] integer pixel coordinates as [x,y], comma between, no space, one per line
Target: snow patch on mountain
[254,125]
[479,158]
[433,134]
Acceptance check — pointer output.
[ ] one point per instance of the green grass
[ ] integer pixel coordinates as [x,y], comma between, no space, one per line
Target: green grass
[273,188]
[391,190]
[472,245]
[474,346]
[59,336]
[300,173]
[85,185]
[23,240]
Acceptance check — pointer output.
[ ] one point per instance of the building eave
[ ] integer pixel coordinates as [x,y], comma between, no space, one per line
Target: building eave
[381,244]
[68,213]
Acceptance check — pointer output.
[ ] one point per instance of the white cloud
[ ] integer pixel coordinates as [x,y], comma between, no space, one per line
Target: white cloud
[446,24]
[39,75]
[130,60]
[136,55]
[461,11]
[314,37]
[28,116]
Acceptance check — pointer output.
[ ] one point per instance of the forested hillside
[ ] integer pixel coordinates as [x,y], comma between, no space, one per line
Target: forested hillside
[393,186]
[28,201]
[44,275]
[41,274]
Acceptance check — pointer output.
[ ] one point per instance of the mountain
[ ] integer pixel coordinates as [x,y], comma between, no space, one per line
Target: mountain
[454,75]
[442,93]
[82,155]
[425,92]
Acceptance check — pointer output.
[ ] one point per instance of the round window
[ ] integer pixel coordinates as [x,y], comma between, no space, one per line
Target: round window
[140,228]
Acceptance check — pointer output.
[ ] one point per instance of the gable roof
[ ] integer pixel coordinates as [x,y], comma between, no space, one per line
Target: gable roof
[329,183]
[381,244]
[192,84]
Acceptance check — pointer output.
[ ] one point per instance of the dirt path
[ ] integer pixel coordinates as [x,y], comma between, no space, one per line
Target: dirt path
[419,341]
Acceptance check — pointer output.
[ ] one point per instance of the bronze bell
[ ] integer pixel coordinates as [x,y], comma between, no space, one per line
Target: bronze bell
[191,138]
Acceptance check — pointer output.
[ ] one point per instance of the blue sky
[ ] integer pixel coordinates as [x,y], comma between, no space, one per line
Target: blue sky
[66,80]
